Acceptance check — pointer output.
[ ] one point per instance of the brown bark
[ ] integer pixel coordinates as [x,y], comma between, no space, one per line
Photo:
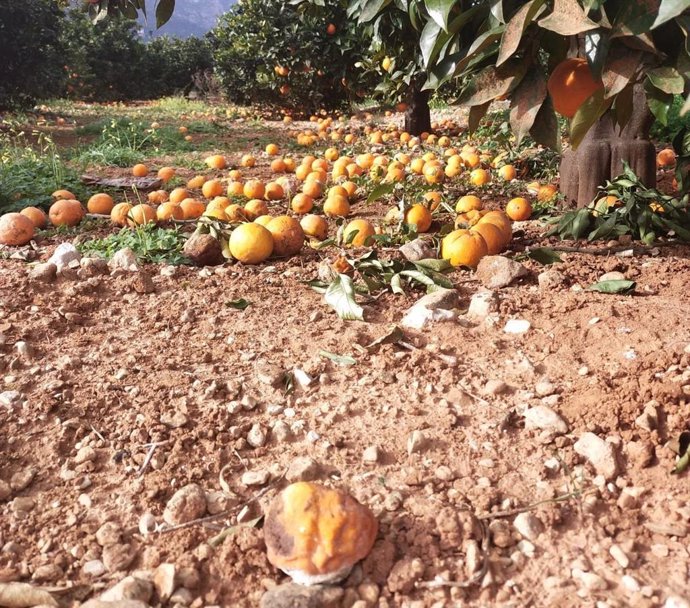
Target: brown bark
[418,114]
[601,154]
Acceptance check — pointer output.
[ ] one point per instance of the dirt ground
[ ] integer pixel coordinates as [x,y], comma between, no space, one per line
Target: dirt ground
[112,399]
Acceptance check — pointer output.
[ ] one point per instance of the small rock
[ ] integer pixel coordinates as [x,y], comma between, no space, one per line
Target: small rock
[117,557]
[164,580]
[674,601]
[482,304]
[109,533]
[22,479]
[619,555]
[545,419]
[302,379]
[204,250]
[436,306]
[92,267]
[303,468]
[124,260]
[641,454]
[612,276]
[143,283]
[496,271]
[45,273]
[528,525]
[85,454]
[119,604]
[601,454]
[280,431]
[256,478]
[181,597]
[47,573]
[649,418]
[24,350]
[174,419]
[589,580]
[147,524]
[22,504]
[416,442]
[501,533]
[371,455]
[517,326]
[292,595]
[419,249]
[256,436]
[129,588]
[186,504]
[168,271]
[64,254]
[5,490]
[550,280]
[544,388]
[10,398]
[678,528]
[94,567]
[495,387]
[404,574]
[269,374]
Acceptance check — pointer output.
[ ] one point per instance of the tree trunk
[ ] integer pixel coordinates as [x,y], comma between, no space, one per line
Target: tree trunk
[418,114]
[601,154]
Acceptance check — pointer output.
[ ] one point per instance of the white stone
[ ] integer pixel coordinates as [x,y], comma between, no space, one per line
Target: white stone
[528,525]
[601,454]
[482,304]
[63,255]
[517,326]
[544,418]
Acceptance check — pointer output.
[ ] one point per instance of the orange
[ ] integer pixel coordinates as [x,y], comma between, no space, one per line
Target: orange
[493,236]
[118,215]
[274,191]
[216,213]
[519,209]
[169,211]
[217,161]
[263,219]
[212,188]
[434,174]
[312,188]
[290,165]
[331,29]
[331,154]
[196,182]
[470,218]
[178,195]
[278,165]
[272,149]
[235,175]
[472,160]
[60,195]
[16,229]
[302,203]
[315,226]
[192,208]
[140,170]
[248,161]
[419,216]
[433,199]
[66,213]
[218,203]
[479,177]
[235,189]
[255,208]
[101,204]
[546,193]
[571,83]
[501,220]
[36,215]
[235,213]
[350,188]
[666,158]
[507,172]
[463,248]
[288,236]
[467,203]
[254,189]
[250,243]
[363,230]
[141,214]
[337,206]
[337,190]
[157,197]
[166,173]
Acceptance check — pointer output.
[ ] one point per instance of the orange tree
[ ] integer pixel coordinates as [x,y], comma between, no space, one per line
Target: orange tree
[619,53]
[100,9]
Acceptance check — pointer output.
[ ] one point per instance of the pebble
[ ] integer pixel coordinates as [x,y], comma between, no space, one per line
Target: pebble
[550,279]
[255,478]
[123,260]
[416,442]
[45,273]
[5,490]
[186,504]
[181,597]
[517,326]
[147,524]
[47,572]
[601,454]
[22,479]
[404,574]
[85,454]
[371,455]
[110,533]
[280,431]
[619,555]
[303,468]
[94,567]
[418,249]
[630,584]
[612,276]
[495,387]
[129,588]
[117,557]
[482,304]
[544,388]
[544,418]
[589,580]
[256,436]
[439,305]
[497,271]
[649,418]
[164,580]
[23,504]
[10,398]
[292,595]
[501,533]
[528,525]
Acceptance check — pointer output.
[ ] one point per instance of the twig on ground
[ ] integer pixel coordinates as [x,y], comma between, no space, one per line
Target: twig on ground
[534,505]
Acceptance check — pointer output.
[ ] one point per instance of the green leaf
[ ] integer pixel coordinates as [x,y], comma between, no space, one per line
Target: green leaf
[544,255]
[492,82]
[659,102]
[587,114]
[340,296]
[433,264]
[439,11]
[476,115]
[512,35]
[666,79]
[620,67]
[339,359]
[621,286]
[380,191]
[164,10]
[683,452]
[669,9]
[567,19]
[371,8]
[239,304]
[545,130]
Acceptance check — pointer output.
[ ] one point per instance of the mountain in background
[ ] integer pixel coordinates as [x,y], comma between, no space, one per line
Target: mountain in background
[191,18]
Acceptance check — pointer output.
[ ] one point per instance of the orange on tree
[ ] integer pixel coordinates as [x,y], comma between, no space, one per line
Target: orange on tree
[254,188]
[141,214]
[337,206]
[463,248]
[419,216]
[358,232]
[101,204]
[255,208]
[66,213]
[16,229]
[36,215]
[169,211]
[118,215]
[571,83]
[666,158]
[288,236]
[178,195]
[469,202]
[315,226]
[250,243]
[192,208]
[140,170]
[331,29]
